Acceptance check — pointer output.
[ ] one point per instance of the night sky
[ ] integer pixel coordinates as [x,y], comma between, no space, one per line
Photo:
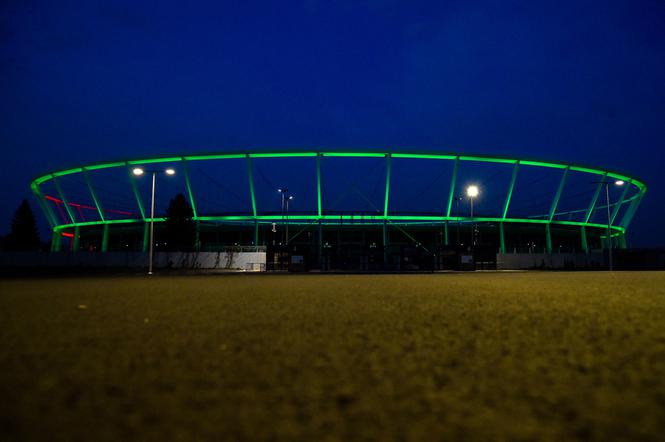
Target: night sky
[567,81]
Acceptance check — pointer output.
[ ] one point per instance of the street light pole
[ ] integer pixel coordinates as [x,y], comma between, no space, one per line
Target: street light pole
[138,172]
[609,226]
[472,192]
[287,218]
[283,191]
[609,218]
[152,223]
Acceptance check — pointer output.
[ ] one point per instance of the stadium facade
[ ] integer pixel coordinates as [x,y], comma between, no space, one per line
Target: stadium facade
[347,209]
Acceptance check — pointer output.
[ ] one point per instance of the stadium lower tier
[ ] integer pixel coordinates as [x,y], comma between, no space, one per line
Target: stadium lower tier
[347,245]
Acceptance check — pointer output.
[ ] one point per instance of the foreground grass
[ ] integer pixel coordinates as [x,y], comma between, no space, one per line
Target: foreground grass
[548,356]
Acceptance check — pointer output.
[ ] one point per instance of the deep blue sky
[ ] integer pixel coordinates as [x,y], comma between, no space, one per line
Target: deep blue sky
[572,81]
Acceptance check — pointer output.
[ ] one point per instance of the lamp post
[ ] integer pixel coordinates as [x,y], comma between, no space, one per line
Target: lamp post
[290,198]
[609,217]
[283,191]
[457,200]
[138,172]
[472,192]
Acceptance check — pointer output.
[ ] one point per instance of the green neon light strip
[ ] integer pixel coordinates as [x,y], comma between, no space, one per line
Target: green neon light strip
[633,198]
[154,160]
[103,166]
[250,177]
[540,164]
[387,195]
[91,189]
[353,154]
[283,155]
[509,195]
[68,171]
[453,182]
[488,159]
[213,157]
[424,157]
[378,219]
[640,185]
[188,184]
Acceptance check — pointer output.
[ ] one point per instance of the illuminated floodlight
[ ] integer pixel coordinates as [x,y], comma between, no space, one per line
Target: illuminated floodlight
[619,182]
[170,171]
[472,191]
[137,171]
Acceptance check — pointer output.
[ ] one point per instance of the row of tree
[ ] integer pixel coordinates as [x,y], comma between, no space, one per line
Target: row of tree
[179,230]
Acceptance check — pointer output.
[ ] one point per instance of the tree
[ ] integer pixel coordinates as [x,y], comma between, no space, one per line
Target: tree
[180,226]
[24,235]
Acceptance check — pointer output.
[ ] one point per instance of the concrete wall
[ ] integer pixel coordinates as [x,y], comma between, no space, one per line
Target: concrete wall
[239,261]
[516,261]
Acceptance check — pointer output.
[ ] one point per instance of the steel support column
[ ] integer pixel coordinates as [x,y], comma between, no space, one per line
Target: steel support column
[511,187]
[502,238]
[446,234]
[93,194]
[56,241]
[557,197]
[453,181]
[43,204]
[319,208]
[250,177]
[619,203]
[77,239]
[320,246]
[594,200]
[188,184]
[105,238]
[197,238]
[146,237]
[387,194]
[628,217]
[585,243]
[65,203]
[385,242]
[256,232]
[548,238]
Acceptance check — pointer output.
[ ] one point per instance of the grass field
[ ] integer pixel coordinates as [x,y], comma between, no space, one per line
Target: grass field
[519,356]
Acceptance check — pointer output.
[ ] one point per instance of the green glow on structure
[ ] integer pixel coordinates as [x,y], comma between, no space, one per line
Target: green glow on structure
[154,160]
[423,156]
[213,157]
[488,159]
[595,174]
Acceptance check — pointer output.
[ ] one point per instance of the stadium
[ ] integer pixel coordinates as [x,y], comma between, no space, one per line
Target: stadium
[327,209]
